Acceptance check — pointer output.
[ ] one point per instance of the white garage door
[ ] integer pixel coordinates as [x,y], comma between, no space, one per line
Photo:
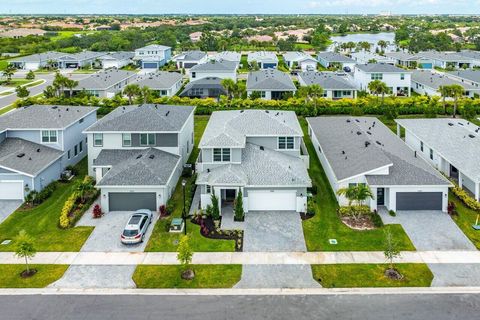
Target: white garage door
[284,200]
[11,190]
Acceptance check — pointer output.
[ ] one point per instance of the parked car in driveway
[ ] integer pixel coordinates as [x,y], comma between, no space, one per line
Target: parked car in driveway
[136,228]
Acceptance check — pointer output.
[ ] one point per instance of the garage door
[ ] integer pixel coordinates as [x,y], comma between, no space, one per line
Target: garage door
[11,190]
[131,201]
[266,200]
[419,200]
[150,65]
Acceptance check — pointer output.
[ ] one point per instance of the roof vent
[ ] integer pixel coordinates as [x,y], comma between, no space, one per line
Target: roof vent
[450,124]
[460,123]
[369,132]
[166,114]
[357,120]
[38,150]
[139,156]
[471,136]
[348,120]
[359,133]
[152,156]
[266,111]
[241,111]
[54,107]
[378,142]
[20,155]
[343,151]
[367,143]
[262,148]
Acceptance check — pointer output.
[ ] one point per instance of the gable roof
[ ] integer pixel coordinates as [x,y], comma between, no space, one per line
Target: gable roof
[146,167]
[159,80]
[84,55]
[262,56]
[334,57]
[402,55]
[215,66]
[471,54]
[444,56]
[297,56]
[204,83]
[227,56]
[327,80]
[471,75]
[104,79]
[380,67]
[144,118]
[40,57]
[230,128]
[435,80]
[358,145]
[119,55]
[43,117]
[452,138]
[270,79]
[154,47]
[195,55]
[365,56]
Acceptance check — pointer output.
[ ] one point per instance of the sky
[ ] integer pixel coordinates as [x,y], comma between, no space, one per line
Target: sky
[239,6]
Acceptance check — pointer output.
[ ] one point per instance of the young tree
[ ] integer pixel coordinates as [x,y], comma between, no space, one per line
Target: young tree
[70,84]
[8,73]
[30,75]
[184,256]
[25,248]
[391,249]
[444,93]
[215,208]
[229,86]
[22,92]
[456,92]
[131,91]
[146,94]
[239,212]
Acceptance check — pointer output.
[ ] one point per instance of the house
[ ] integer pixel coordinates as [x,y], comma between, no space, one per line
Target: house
[37,61]
[408,60]
[22,32]
[334,85]
[105,83]
[333,60]
[271,84]
[37,143]
[362,150]
[84,59]
[363,57]
[117,59]
[300,60]
[257,152]
[227,56]
[204,88]
[214,69]
[189,59]
[450,145]
[471,77]
[153,56]
[137,153]
[397,79]
[474,56]
[447,59]
[264,59]
[163,83]
[425,82]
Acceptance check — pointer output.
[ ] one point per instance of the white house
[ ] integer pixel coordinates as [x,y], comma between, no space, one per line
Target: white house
[301,60]
[397,79]
[335,85]
[189,59]
[333,60]
[409,60]
[264,59]
[153,56]
[105,83]
[447,59]
[227,56]
[117,60]
[450,145]
[163,83]
[425,82]
[214,69]
[362,150]
[37,61]
[471,77]
[271,84]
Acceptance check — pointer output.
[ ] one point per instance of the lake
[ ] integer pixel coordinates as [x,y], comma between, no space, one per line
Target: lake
[373,38]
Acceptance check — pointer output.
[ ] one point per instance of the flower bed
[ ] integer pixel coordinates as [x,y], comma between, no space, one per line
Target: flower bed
[359,217]
[466,198]
[209,230]
[78,202]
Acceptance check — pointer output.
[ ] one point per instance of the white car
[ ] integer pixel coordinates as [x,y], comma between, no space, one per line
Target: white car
[136,227]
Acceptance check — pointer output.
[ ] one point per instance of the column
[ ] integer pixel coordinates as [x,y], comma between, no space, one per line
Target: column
[477,191]
[460,180]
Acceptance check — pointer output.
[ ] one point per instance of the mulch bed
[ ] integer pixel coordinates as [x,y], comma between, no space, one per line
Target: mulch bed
[25,274]
[393,274]
[208,230]
[306,216]
[363,222]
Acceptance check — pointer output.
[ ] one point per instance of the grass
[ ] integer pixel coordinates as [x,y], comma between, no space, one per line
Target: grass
[164,241]
[327,225]
[3,64]
[46,274]
[5,93]
[466,217]
[206,276]
[35,83]
[371,275]
[85,71]
[41,222]
[14,82]
[7,109]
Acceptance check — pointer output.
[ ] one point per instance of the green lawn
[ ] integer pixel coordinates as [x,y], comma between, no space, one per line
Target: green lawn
[466,217]
[14,82]
[41,222]
[6,109]
[46,274]
[371,275]
[326,224]
[206,276]
[35,83]
[161,239]
[3,64]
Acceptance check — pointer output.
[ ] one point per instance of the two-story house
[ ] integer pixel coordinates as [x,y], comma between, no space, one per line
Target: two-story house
[397,79]
[264,59]
[189,59]
[214,69]
[137,153]
[153,56]
[257,152]
[37,143]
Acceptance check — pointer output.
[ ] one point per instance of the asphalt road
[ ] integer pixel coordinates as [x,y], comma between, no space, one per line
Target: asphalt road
[297,307]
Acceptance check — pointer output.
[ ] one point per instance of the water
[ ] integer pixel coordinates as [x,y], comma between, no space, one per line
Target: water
[372,38]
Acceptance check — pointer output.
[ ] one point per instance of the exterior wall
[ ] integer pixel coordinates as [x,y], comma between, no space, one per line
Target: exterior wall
[48,175]
[73,135]
[425,90]
[208,74]
[186,139]
[207,158]
[268,93]
[392,80]
[106,64]
[35,136]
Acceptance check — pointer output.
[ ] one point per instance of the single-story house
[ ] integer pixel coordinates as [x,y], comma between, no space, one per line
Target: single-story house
[227,56]
[301,60]
[264,59]
[271,84]
[37,61]
[471,77]
[117,60]
[334,85]
[335,60]
[471,54]
[164,83]
[362,150]
[105,83]
[425,82]
[82,59]
[189,59]
[447,59]
[363,57]
[409,60]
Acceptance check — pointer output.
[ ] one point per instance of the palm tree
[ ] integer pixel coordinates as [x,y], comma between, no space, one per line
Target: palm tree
[145,93]
[70,84]
[130,91]
[382,44]
[444,93]
[8,73]
[378,87]
[348,193]
[364,45]
[229,86]
[456,92]
[363,192]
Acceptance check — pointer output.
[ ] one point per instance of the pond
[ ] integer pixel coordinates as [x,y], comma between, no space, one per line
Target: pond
[373,38]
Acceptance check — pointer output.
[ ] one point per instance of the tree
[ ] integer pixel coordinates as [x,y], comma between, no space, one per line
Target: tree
[364,45]
[131,91]
[25,248]
[229,86]
[255,95]
[8,73]
[311,93]
[70,84]
[469,112]
[444,93]
[378,87]
[215,208]
[357,194]
[146,94]
[184,256]
[84,187]
[382,44]
[239,212]
[456,92]
[30,75]
[59,83]
[22,92]
[391,248]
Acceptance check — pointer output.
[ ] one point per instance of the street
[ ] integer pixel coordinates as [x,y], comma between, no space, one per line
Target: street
[435,306]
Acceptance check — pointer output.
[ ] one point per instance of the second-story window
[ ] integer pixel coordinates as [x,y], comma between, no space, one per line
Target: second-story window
[98,139]
[286,143]
[376,76]
[147,139]
[221,155]
[49,136]
[126,139]
[402,76]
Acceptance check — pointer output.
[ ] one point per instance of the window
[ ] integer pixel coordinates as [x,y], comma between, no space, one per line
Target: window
[351,185]
[80,146]
[147,139]
[126,139]
[49,136]
[221,155]
[163,92]
[262,94]
[376,76]
[194,75]
[98,139]
[197,91]
[402,76]
[75,151]
[286,143]
[421,146]
[208,188]
[431,154]
[69,155]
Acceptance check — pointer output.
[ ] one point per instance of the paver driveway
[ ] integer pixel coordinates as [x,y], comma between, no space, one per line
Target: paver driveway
[7,207]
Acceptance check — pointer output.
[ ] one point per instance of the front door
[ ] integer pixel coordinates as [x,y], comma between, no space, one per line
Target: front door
[380,196]
[230,195]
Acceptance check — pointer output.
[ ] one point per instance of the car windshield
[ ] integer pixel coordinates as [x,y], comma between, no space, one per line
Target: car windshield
[130,233]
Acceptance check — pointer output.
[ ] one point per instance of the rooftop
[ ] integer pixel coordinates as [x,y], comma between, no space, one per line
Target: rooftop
[144,118]
[228,56]
[159,80]
[204,83]
[270,79]
[402,55]
[334,57]
[458,141]
[444,56]
[191,55]
[471,54]
[436,80]
[154,47]
[40,57]
[327,80]
[80,56]
[471,75]
[297,56]
[262,56]
[366,56]
[380,67]
[104,79]
[119,55]
[215,66]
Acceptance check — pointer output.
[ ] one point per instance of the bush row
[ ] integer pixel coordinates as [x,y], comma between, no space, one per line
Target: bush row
[466,198]
[78,202]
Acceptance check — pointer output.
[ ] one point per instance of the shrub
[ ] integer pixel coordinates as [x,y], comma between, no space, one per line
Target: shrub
[97,211]
[392,213]
[163,211]
[313,189]
[209,211]
[72,169]
[45,193]
[465,198]
[67,208]
[170,207]
[452,209]
[215,208]
[239,212]
[376,219]
[311,207]
[353,210]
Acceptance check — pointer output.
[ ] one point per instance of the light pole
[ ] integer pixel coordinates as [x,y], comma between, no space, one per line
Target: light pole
[184,214]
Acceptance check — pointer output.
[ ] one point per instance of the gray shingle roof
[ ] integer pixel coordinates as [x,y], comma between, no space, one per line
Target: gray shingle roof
[104,79]
[471,54]
[40,57]
[119,55]
[380,67]
[227,56]
[35,159]
[453,142]
[365,56]
[444,56]
[259,168]
[230,128]
[471,75]
[154,47]
[144,118]
[344,143]
[435,80]
[159,80]
[215,66]
[147,167]
[334,57]
[191,55]
[402,55]
[270,79]
[297,56]
[262,56]
[44,117]
[327,80]
[80,56]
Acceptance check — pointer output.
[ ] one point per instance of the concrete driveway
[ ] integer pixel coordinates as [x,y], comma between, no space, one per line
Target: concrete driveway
[7,207]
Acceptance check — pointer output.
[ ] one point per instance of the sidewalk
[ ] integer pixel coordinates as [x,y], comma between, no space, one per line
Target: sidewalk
[245,258]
